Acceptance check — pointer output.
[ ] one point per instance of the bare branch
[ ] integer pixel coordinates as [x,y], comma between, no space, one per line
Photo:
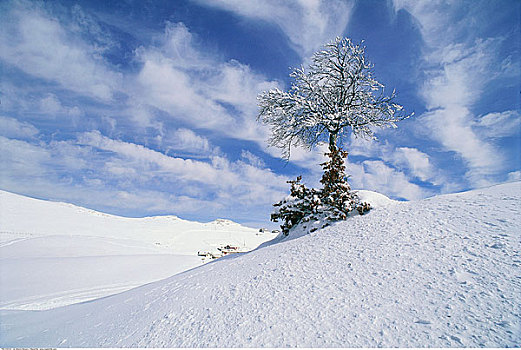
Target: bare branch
[337,91]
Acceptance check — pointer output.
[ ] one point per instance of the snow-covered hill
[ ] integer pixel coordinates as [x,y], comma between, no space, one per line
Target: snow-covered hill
[54,254]
[440,272]
[23,217]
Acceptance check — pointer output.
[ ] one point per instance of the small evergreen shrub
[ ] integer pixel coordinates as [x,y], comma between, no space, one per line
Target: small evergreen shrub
[316,209]
[302,205]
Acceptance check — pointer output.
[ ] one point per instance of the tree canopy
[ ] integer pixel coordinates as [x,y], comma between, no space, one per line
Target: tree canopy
[335,95]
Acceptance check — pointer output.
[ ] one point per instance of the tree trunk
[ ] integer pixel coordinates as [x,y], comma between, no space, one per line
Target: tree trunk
[332,141]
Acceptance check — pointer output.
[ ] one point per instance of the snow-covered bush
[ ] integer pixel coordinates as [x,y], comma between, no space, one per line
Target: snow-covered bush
[302,205]
[316,209]
[337,197]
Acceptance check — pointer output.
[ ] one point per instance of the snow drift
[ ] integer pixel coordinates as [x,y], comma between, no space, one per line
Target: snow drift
[438,272]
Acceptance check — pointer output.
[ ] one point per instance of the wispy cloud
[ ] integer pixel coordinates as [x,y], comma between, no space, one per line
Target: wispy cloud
[155,122]
[231,184]
[415,160]
[413,163]
[252,159]
[308,24]
[99,165]
[499,124]
[176,77]
[12,128]
[51,106]
[180,79]
[32,169]
[375,175]
[385,169]
[36,43]
[458,65]
[187,141]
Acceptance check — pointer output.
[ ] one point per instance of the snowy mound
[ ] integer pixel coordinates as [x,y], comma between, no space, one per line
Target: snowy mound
[375,199]
[223,223]
[439,272]
[55,254]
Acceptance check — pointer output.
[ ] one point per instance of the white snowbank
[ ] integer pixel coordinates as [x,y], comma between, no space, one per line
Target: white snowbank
[442,272]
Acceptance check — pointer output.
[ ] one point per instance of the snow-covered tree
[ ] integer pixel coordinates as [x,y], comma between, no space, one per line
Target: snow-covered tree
[302,205]
[336,95]
[337,198]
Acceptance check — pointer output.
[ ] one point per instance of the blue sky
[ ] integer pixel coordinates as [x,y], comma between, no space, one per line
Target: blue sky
[149,107]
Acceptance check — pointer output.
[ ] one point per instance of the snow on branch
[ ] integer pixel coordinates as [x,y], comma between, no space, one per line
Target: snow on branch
[337,93]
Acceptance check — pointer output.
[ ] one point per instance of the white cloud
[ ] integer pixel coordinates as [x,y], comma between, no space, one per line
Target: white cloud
[514,176]
[101,172]
[375,175]
[51,106]
[358,146]
[177,44]
[12,128]
[458,66]
[417,162]
[237,85]
[37,43]
[39,180]
[177,93]
[307,159]
[84,24]
[147,161]
[186,140]
[180,79]
[459,73]
[307,23]
[252,159]
[411,161]
[452,128]
[142,114]
[21,160]
[501,124]
[237,180]
[177,76]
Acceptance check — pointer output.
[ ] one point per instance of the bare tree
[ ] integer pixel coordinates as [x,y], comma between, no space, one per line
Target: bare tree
[336,95]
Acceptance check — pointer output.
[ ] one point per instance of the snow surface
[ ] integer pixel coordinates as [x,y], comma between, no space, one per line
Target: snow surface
[55,254]
[438,272]
[377,200]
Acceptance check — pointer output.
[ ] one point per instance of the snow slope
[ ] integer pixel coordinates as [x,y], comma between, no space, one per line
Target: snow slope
[54,254]
[438,272]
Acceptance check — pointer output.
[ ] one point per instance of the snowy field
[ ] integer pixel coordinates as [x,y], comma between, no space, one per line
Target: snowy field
[441,272]
[56,254]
